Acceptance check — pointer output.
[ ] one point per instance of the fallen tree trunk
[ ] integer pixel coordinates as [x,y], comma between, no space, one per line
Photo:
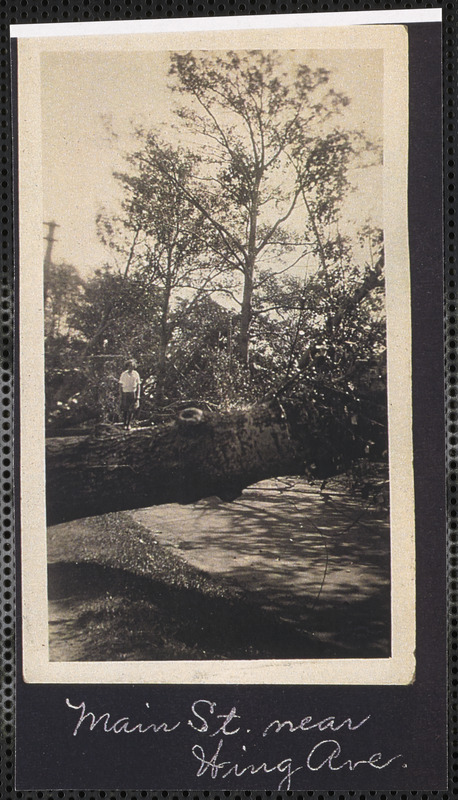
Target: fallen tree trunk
[186,460]
[176,462]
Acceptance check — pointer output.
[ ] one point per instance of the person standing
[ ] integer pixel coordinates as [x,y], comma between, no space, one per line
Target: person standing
[129,392]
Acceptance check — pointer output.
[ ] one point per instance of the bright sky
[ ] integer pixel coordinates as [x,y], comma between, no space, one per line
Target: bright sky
[85,95]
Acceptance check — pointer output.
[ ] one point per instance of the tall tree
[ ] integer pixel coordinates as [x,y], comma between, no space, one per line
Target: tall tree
[265,143]
[174,257]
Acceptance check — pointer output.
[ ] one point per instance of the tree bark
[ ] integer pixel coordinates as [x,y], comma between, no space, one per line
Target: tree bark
[245,316]
[247,299]
[164,339]
[186,460]
[176,462]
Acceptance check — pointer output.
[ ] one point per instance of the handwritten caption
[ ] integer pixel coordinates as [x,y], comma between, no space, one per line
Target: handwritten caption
[210,756]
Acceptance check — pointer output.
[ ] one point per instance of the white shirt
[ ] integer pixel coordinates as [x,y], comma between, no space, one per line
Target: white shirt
[130,381]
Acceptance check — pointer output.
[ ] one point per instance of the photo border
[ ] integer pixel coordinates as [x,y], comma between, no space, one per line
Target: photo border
[400,666]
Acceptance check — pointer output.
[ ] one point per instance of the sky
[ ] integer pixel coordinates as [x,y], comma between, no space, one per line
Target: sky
[93,101]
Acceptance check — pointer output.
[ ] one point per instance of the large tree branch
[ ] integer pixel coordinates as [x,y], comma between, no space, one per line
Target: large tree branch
[279,222]
[224,140]
[373,280]
[229,240]
[319,243]
[182,462]
[313,223]
[281,271]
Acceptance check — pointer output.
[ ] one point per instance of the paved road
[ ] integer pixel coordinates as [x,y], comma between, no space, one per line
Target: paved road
[318,559]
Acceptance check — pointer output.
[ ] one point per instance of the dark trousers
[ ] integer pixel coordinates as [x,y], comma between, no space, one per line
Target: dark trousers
[127,407]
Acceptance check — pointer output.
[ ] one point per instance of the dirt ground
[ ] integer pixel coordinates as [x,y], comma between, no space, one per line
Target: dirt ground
[286,570]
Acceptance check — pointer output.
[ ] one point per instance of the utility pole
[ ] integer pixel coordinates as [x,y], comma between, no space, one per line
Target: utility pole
[50,241]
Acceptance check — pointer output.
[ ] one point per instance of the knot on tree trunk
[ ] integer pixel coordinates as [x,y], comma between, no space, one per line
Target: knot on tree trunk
[190,416]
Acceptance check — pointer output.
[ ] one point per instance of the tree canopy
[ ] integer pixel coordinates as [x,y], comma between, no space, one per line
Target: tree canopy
[265,144]
[237,281]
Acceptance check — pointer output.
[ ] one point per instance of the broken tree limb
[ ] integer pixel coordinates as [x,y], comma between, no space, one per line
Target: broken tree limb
[191,458]
[177,462]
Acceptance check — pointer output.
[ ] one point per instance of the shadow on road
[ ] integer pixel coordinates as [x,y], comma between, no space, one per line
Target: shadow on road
[102,614]
[284,571]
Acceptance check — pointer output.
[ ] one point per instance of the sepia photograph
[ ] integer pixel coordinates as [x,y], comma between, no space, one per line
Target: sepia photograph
[224,399]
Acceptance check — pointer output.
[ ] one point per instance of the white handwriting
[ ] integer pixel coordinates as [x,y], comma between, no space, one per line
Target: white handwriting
[121,725]
[306,724]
